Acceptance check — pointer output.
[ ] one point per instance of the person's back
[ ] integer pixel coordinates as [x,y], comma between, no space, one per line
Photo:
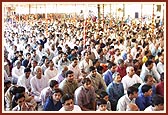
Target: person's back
[8,97]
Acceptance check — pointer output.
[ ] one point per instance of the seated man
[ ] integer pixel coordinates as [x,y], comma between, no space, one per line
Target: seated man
[21,104]
[48,91]
[53,102]
[68,103]
[144,99]
[157,104]
[85,96]
[125,100]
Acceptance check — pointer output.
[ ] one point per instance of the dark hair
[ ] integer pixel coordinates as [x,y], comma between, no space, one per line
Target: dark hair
[18,96]
[99,69]
[162,76]
[57,91]
[20,89]
[146,77]
[33,50]
[13,90]
[146,52]
[91,68]
[157,99]
[131,90]
[148,62]
[134,61]
[68,72]
[95,61]
[28,53]
[27,70]
[99,51]
[53,83]
[110,65]
[120,61]
[85,53]
[101,101]
[7,82]
[146,88]
[74,58]
[75,47]
[66,97]
[151,57]
[159,54]
[86,80]
[103,94]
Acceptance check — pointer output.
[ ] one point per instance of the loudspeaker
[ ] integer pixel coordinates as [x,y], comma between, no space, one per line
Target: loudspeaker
[136,15]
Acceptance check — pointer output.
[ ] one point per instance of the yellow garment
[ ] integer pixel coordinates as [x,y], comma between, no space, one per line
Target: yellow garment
[144,59]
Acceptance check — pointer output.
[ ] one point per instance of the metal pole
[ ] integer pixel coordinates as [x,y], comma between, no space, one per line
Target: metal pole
[103,17]
[141,11]
[123,10]
[98,7]
[153,25]
[163,15]
[110,10]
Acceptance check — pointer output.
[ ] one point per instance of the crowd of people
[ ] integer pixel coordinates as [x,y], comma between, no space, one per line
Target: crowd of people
[89,65]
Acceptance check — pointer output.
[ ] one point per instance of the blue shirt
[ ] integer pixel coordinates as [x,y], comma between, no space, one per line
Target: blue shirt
[50,106]
[107,77]
[143,102]
[115,91]
[153,89]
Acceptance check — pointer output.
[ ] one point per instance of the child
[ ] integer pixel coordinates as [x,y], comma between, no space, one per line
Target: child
[102,105]
[104,95]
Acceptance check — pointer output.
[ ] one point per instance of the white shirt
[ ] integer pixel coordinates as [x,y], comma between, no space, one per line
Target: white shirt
[37,85]
[76,70]
[123,102]
[128,81]
[23,81]
[76,108]
[50,73]
[85,66]
[18,72]
[160,67]
[149,109]
[44,94]
[6,75]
